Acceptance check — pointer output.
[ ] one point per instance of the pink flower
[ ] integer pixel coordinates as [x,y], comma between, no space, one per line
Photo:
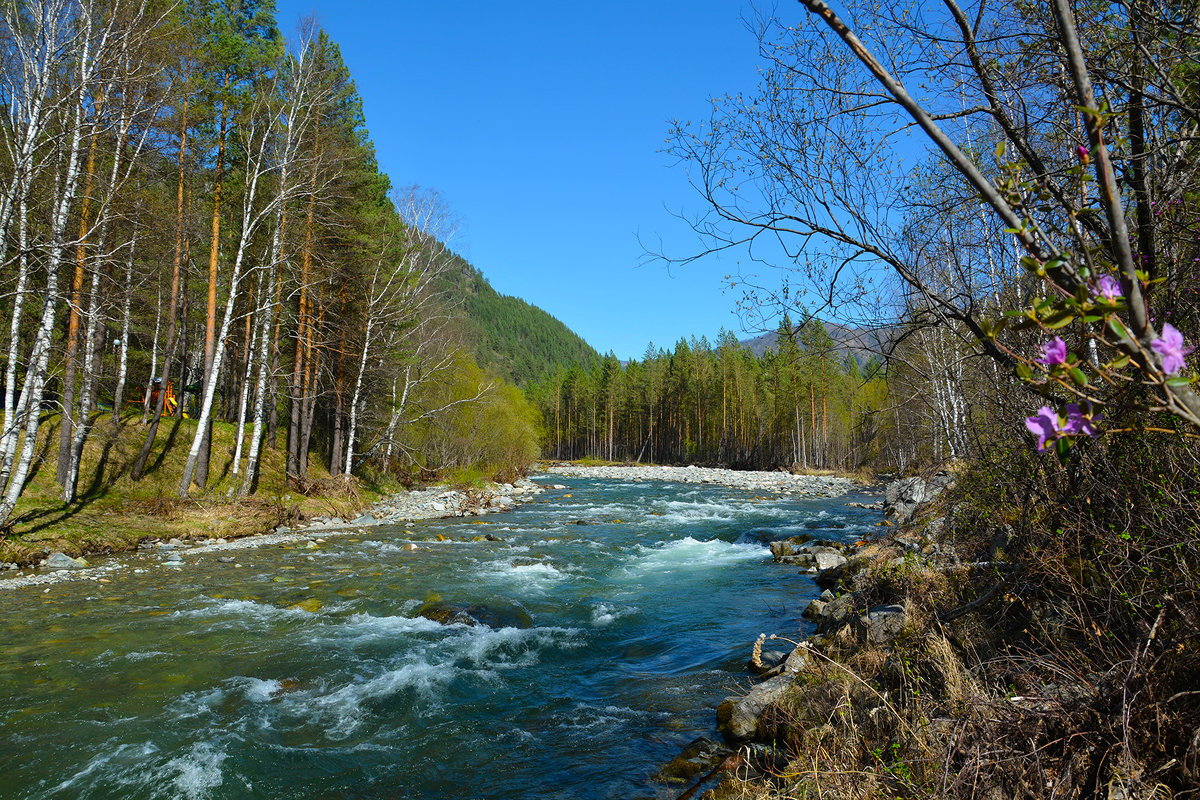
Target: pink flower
[1045,426]
[1108,288]
[1077,423]
[1082,153]
[1172,349]
[1054,352]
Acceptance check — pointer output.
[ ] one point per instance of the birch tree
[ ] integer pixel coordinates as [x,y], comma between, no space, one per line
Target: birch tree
[89,46]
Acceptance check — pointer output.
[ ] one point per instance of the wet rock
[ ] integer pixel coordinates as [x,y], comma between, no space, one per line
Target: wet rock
[225,559]
[699,757]
[817,524]
[409,547]
[765,536]
[173,559]
[312,605]
[500,615]
[60,560]
[792,546]
[365,519]
[814,610]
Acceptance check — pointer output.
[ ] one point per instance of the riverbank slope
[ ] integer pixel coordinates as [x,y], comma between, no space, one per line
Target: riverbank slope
[113,512]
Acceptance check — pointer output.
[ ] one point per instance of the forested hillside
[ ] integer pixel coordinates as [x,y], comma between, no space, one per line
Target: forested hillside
[189,200]
[518,341]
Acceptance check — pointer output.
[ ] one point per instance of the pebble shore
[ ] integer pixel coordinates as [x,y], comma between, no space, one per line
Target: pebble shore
[783,483]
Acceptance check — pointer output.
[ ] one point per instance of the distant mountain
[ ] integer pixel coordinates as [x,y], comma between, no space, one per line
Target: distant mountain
[519,341]
[864,344]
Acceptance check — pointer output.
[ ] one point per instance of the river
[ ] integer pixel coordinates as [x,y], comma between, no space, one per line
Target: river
[304,672]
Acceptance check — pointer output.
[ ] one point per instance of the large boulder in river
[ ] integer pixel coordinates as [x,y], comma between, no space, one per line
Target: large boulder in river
[902,497]
[496,615]
[764,537]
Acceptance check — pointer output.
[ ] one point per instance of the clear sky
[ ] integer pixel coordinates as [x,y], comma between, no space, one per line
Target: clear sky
[541,122]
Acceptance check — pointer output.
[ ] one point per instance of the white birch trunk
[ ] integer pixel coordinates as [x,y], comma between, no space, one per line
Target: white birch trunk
[35,375]
[241,423]
[123,365]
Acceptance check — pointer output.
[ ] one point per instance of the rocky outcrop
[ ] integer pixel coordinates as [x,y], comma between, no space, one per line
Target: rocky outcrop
[901,498]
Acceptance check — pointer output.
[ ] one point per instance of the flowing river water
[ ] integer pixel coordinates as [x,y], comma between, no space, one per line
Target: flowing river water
[306,672]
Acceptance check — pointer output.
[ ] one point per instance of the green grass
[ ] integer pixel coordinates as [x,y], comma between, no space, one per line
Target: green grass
[113,512]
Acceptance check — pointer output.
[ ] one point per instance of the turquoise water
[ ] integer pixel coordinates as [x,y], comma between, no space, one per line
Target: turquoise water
[207,682]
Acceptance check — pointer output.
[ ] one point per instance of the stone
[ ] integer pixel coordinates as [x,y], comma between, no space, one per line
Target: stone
[312,605]
[793,545]
[173,558]
[225,560]
[175,541]
[827,596]
[739,719]
[409,547]
[881,624]
[827,558]
[813,610]
[837,614]
[59,560]
[699,757]
[901,498]
[496,615]
[365,519]
[842,573]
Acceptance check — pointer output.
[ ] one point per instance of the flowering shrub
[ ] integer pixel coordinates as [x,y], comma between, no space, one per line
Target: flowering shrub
[1107,307]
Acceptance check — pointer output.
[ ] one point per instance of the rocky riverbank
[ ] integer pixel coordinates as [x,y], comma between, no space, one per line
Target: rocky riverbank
[436,502]
[846,625]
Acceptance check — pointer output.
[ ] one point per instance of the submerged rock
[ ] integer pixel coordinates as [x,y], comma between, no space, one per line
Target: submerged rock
[501,615]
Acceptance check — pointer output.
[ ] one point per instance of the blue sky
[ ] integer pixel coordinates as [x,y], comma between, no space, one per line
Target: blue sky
[541,123]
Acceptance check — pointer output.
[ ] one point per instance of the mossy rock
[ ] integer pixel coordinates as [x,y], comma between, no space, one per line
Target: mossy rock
[496,615]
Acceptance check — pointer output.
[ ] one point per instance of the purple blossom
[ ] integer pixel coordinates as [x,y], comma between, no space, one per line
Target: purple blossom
[1172,349]
[1082,153]
[1077,423]
[1045,426]
[1108,288]
[1054,352]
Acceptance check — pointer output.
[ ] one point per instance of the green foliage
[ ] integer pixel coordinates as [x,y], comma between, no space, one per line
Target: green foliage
[497,434]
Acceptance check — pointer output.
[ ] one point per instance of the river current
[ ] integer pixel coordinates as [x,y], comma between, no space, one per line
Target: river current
[305,672]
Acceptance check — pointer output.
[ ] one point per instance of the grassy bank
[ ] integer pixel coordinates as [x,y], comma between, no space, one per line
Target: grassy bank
[1037,648]
[113,512]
